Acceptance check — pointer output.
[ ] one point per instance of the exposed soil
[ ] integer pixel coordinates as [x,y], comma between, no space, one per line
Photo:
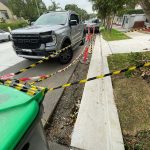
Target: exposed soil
[60,126]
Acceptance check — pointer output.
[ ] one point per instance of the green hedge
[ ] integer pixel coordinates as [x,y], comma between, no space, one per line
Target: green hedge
[14,25]
[130,12]
[133,11]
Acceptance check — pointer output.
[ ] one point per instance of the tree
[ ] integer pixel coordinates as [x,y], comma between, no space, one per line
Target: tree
[27,8]
[17,7]
[92,15]
[130,4]
[54,6]
[107,9]
[145,4]
[81,12]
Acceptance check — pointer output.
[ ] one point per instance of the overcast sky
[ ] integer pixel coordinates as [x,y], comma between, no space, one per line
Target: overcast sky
[84,4]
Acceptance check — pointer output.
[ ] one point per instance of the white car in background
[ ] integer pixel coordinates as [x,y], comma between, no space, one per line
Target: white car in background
[4,36]
[89,24]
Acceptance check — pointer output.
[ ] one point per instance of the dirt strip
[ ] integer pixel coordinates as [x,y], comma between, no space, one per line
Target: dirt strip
[60,126]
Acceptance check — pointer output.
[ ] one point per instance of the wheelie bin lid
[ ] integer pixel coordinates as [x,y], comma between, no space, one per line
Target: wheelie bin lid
[17,112]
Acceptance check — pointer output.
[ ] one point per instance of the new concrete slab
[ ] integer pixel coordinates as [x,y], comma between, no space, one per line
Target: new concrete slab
[97,126]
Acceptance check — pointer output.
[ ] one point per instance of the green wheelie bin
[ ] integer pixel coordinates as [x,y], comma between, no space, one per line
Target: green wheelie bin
[20,120]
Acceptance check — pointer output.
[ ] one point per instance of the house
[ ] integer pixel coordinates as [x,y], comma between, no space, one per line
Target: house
[118,20]
[133,21]
[5,12]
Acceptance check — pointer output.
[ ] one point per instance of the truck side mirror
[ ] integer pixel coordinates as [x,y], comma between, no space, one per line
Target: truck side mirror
[73,22]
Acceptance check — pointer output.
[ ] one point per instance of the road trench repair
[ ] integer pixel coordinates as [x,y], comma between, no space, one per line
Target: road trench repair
[60,126]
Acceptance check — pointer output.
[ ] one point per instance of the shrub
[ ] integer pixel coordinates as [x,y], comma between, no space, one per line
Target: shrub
[13,25]
[133,11]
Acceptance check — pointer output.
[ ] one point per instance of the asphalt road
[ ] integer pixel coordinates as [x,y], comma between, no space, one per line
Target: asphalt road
[10,63]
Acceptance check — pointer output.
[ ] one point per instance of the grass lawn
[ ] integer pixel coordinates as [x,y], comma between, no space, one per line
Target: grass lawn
[113,35]
[132,97]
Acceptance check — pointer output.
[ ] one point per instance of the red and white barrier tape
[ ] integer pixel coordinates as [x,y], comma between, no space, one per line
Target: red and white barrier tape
[33,78]
[7,76]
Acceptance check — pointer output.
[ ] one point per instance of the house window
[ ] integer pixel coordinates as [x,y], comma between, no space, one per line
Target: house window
[127,20]
[4,14]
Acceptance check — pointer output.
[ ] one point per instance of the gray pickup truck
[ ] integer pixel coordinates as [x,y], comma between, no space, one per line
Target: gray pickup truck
[50,33]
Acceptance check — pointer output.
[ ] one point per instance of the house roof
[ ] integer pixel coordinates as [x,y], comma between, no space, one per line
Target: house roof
[5,2]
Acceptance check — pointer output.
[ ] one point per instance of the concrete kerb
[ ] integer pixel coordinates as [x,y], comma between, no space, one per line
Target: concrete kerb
[97,126]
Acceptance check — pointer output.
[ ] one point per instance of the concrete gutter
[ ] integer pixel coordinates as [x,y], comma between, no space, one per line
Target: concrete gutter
[97,126]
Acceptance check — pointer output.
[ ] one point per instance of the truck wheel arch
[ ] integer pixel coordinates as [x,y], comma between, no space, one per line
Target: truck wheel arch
[66,40]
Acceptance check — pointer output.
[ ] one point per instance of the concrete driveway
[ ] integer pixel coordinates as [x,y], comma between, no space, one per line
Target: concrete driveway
[8,57]
[137,43]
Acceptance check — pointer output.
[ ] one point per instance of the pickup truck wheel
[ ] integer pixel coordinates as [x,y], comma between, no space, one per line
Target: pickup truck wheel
[66,56]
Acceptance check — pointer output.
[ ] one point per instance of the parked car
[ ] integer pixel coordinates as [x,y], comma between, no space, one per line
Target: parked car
[4,36]
[92,23]
[50,33]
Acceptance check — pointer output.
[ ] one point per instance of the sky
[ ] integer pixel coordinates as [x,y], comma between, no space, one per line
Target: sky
[84,4]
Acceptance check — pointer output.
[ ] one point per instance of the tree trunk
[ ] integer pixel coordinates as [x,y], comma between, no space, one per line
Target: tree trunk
[145,4]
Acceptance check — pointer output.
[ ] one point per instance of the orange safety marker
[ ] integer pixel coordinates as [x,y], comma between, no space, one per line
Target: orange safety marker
[85,56]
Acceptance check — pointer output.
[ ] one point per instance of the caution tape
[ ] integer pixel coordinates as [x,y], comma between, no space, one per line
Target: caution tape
[37,78]
[138,29]
[34,89]
[44,77]
[30,90]
[44,59]
[41,77]
[64,69]
[100,76]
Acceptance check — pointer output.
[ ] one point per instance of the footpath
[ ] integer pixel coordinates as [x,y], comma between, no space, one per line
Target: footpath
[97,126]
[139,42]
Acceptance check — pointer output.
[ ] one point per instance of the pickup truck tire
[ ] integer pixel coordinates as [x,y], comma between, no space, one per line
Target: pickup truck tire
[66,56]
